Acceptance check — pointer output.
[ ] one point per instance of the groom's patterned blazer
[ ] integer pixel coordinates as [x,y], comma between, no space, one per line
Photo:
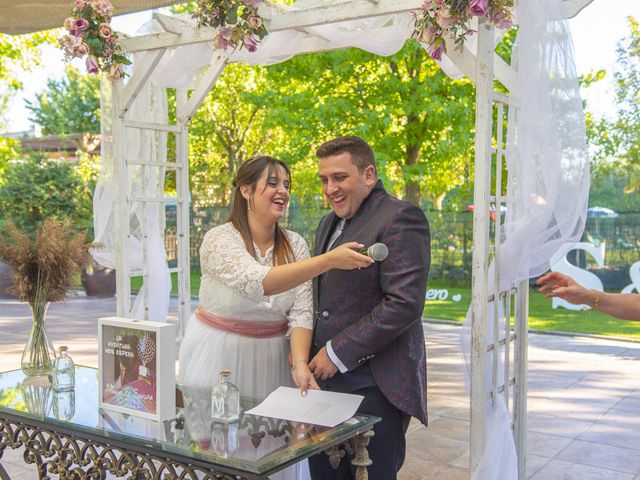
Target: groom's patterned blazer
[373,316]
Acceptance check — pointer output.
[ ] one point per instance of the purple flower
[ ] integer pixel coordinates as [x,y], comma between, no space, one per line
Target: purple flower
[437,49]
[80,4]
[92,64]
[254,22]
[252,3]
[102,7]
[76,26]
[223,38]
[249,43]
[74,46]
[479,8]
[502,20]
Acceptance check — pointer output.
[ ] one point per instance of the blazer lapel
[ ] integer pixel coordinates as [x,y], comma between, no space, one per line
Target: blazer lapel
[324,232]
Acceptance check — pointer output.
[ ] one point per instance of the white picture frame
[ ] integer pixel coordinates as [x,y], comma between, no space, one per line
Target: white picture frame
[136,365]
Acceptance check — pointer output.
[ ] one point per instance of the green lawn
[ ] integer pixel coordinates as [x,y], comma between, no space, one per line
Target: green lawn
[541,315]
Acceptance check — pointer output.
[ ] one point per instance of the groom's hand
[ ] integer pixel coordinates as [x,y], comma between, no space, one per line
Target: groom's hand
[321,366]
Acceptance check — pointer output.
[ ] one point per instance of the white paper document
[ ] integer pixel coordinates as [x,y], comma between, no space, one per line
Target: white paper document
[318,407]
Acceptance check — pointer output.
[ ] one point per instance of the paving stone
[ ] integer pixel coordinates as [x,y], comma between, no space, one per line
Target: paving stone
[544,445]
[561,470]
[535,463]
[600,455]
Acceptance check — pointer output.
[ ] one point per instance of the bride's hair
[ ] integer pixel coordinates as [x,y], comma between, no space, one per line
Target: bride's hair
[248,174]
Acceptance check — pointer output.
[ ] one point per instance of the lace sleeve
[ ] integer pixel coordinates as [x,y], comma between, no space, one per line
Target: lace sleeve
[301,313]
[223,255]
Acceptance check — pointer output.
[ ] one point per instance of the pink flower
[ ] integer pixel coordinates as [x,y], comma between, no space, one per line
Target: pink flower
[80,4]
[502,20]
[479,8]
[107,54]
[74,46]
[102,7]
[223,38]
[76,26]
[252,3]
[254,22]
[92,64]
[444,18]
[111,41]
[426,5]
[437,48]
[427,35]
[115,72]
[104,30]
[249,43]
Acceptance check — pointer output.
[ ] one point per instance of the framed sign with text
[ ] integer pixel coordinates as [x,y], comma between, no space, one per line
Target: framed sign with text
[137,367]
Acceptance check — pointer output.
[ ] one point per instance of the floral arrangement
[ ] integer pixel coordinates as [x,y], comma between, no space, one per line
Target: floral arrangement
[439,18]
[90,34]
[43,272]
[237,21]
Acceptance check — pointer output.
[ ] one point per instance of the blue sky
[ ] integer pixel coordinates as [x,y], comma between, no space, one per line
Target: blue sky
[596,31]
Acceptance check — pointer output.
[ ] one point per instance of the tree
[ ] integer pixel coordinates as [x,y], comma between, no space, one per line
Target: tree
[38,189]
[227,130]
[70,105]
[419,121]
[18,54]
[628,99]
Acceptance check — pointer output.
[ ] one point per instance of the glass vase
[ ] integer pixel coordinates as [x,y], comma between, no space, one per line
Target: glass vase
[38,353]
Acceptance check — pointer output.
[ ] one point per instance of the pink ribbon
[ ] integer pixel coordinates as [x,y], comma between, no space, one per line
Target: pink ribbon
[246,328]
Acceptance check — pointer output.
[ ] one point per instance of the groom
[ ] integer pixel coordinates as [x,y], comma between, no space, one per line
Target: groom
[368,337]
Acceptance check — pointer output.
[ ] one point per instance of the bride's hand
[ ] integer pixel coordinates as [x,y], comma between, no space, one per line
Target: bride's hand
[347,257]
[303,377]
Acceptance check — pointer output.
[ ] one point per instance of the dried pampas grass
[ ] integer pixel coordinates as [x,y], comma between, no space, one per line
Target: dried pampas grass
[44,268]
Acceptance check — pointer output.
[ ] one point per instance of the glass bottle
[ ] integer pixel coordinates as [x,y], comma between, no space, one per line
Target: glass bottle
[64,404]
[64,371]
[225,400]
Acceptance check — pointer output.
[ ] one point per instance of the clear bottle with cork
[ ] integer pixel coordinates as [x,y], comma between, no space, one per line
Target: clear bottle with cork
[225,400]
[64,371]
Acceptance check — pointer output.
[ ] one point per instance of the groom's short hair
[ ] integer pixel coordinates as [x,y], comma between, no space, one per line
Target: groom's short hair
[361,153]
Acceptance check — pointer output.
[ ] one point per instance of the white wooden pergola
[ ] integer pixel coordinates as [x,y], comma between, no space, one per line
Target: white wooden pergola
[482,66]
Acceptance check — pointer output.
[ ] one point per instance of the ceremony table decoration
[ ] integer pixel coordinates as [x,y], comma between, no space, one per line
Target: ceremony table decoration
[89,34]
[438,19]
[43,271]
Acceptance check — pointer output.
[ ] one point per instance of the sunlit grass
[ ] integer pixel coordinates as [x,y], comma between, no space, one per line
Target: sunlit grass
[541,315]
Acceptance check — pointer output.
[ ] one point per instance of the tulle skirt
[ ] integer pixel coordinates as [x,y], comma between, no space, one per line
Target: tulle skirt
[258,366]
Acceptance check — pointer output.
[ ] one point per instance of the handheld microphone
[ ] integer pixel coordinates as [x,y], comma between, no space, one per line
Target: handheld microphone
[377,251]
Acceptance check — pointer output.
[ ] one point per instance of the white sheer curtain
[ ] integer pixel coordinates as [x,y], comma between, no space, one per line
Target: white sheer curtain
[547,191]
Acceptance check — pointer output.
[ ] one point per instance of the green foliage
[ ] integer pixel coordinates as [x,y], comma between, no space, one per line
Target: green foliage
[19,53]
[71,105]
[38,189]
[628,100]
[541,315]
[228,129]
[9,150]
[419,122]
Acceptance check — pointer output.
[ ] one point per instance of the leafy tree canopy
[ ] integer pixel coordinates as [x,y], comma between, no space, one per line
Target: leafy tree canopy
[70,105]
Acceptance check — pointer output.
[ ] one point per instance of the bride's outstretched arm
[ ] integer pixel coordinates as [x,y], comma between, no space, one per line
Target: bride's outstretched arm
[285,277]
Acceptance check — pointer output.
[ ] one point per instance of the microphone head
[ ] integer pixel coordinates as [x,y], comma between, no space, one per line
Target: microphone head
[378,251]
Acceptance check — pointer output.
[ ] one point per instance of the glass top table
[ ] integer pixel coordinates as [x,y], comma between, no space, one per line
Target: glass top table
[69,428]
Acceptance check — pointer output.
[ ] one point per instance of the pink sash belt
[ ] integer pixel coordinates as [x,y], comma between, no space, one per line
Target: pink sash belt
[247,328]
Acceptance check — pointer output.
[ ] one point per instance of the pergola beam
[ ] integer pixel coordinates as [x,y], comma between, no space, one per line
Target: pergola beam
[293,19]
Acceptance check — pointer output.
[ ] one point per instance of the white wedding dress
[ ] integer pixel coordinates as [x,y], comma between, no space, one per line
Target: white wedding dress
[231,286]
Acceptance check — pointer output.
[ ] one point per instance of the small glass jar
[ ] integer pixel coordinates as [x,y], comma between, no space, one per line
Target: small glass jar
[225,400]
[64,371]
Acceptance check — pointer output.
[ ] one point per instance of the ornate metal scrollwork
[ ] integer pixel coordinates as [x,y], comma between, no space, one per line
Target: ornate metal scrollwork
[74,458]
[356,447]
